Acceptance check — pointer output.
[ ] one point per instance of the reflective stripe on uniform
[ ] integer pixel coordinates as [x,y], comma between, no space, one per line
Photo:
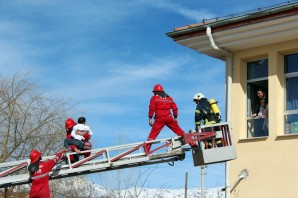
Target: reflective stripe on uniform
[39,176]
[207,122]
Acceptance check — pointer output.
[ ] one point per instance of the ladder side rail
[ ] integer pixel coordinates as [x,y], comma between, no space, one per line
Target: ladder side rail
[91,162]
[97,152]
[13,163]
[104,160]
[123,146]
[19,165]
[126,153]
[158,148]
[139,147]
[13,169]
[88,158]
[134,155]
[168,142]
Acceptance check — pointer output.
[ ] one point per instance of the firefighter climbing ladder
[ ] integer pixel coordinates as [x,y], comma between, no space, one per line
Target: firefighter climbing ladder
[132,155]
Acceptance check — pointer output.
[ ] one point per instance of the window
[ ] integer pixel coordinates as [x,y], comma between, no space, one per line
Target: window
[291,93]
[257,87]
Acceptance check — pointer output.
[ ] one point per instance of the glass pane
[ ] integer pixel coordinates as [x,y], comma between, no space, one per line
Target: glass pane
[291,126]
[257,69]
[257,127]
[291,63]
[292,93]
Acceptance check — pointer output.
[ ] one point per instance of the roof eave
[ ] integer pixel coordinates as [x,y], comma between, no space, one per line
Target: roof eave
[236,21]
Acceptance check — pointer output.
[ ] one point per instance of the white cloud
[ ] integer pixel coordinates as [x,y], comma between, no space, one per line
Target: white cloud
[157,68]
[190,13]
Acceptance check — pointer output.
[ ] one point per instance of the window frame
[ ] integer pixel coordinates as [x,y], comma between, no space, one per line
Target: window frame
[249,94]
[287,76]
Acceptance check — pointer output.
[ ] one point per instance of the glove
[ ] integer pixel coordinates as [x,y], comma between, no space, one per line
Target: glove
[63,157]
[150,122]
[86,136]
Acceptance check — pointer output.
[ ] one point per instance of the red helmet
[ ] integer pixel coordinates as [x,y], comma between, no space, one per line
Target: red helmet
[69,123]
[34,156]
[158,87]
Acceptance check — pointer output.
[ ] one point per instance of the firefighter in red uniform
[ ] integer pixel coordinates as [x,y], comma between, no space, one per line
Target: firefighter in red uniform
[160,107]
[39,173]
[69,124]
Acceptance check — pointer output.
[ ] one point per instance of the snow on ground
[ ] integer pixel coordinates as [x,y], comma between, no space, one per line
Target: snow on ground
[164,193]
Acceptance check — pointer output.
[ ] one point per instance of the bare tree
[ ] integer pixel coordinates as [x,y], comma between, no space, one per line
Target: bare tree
[29,119]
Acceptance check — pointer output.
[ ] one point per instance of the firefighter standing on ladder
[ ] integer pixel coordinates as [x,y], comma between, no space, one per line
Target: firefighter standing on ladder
[204,112]
[160,107]
[39,173]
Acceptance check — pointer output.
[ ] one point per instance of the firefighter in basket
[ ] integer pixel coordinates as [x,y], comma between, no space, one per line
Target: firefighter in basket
[208,113]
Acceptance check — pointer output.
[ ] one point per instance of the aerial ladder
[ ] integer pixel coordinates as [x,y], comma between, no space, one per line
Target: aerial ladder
[132,155]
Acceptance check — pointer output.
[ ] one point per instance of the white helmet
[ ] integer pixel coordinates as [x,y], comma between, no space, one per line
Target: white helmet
[198,96]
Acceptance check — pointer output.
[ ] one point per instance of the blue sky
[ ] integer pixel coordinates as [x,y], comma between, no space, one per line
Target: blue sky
[107,55]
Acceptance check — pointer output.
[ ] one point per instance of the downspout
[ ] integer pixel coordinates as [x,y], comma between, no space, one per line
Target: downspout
[228,103]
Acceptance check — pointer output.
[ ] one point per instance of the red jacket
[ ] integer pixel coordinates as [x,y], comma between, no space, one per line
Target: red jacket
[162,107]
[40,178]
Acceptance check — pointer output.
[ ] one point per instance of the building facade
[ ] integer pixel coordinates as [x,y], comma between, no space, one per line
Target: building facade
[260,50]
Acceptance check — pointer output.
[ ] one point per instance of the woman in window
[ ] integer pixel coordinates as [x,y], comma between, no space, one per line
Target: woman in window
[261,96]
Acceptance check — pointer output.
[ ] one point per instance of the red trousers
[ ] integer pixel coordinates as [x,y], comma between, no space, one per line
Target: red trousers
[158,125]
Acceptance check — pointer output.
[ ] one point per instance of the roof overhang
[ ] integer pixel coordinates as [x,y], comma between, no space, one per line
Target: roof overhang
[240,33]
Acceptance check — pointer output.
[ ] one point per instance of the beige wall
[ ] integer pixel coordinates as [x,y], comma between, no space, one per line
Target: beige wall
[272,162]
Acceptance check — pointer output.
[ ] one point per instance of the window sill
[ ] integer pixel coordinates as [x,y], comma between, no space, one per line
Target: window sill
[287,136]
[290,134]
[253,139]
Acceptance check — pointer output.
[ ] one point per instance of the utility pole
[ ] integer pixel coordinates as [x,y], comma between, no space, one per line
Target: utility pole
[186,179]
[202,181]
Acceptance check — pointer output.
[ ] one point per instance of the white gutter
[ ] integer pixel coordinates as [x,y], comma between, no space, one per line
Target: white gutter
[228,98]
